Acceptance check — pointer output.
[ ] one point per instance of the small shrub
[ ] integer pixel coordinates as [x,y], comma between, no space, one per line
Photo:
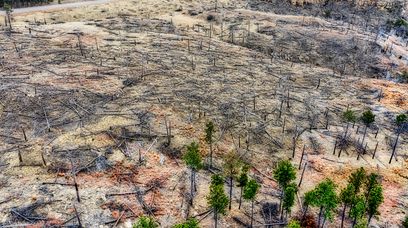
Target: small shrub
[190,223]
[294,224]
[145,222]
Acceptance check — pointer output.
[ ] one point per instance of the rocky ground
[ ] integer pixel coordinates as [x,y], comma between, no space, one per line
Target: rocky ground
[87,94]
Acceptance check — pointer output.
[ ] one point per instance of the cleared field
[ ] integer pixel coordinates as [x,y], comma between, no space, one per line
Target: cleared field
[89,94]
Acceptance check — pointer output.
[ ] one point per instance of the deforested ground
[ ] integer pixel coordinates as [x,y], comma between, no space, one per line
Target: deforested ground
[104,98]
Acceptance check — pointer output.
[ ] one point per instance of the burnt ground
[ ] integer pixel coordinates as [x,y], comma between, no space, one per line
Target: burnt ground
[87,94]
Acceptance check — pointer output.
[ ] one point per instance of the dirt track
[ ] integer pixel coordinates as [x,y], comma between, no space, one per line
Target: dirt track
[55,7]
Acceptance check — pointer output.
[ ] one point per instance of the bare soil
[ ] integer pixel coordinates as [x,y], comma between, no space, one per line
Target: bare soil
[85,92]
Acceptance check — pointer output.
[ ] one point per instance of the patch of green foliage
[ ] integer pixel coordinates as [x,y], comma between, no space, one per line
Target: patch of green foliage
[284,173]
[217,199]
[190,223]
[294,224]
[145,222]
[368,117]
[349,116]
[192,157]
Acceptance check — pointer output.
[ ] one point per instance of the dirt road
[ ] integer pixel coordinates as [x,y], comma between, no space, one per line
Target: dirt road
[54,7]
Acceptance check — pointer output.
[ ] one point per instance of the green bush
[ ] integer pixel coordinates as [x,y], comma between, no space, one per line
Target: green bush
[190,223]
[145,222]
[294,224]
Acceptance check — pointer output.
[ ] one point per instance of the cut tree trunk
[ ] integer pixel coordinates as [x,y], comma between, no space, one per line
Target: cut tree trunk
[304,213]
[343,215]
[240,199]
[215,219]
[192,187]
[211,155]
[252,214]
[394,148]
[230,192]
[364,135]
[320,217]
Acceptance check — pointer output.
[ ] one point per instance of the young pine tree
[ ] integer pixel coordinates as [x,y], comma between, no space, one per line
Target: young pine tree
[370,182]
[358,209]
[209,134]
[8,8]
[402,126]
[284,174]
[250,191]
[374,200]
[401,119]
[349,116]
[367,118]
[242,181]
[347,197]
[289,198]
[232,164]
[307,202]
[193,160]
[326,199]
[217,199]
[357,179]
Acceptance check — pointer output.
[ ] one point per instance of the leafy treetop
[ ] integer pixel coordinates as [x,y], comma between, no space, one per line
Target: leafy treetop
[8,8]
[375,199]
[309,198]
[243,177]
[325,196]
[357,179]
[349,116]
[358,209]
[284,173]
[401,119]
[193,157]
[217,198]
[347,195]
[371,181]
[209,131]
[232,163]
[217,179]
[368,117]
[289,196]
[402,122]
[251,189]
